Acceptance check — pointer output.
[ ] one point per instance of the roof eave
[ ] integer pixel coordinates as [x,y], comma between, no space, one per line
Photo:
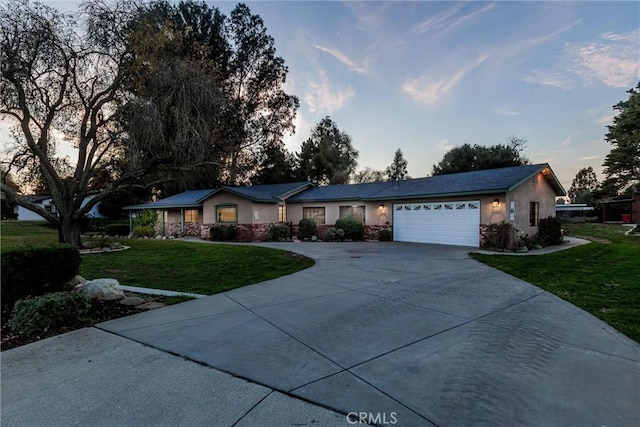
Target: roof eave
[436,195]
[555,184]
[159,207]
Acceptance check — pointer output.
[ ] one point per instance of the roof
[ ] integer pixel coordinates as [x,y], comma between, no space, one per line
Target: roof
[36,198]
[188,199]
[459,184]
[269,193]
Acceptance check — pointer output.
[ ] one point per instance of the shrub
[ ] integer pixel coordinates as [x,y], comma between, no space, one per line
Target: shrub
[144,224]
[37,270]
[500,236]
[222,233]
[35,315]
[385,235]
[333,234]
[550,231]
[117,230]
[308,228]
[352,228]
[279,231]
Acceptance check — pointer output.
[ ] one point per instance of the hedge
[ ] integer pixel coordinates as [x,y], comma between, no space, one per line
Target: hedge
[352,228]
[36,270]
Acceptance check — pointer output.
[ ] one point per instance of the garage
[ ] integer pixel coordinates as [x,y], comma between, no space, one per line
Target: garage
[447,223]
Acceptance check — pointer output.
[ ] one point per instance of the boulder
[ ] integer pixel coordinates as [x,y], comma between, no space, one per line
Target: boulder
[77,280]
[101,289]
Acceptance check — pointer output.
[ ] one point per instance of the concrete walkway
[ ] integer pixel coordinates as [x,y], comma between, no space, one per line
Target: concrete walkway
[401,334]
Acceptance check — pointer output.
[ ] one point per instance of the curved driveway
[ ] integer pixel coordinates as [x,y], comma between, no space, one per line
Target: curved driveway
[402,334]
[411,333]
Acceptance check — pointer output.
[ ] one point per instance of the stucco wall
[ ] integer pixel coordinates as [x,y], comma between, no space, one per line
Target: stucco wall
[245,208]
[536,189]
[373,214]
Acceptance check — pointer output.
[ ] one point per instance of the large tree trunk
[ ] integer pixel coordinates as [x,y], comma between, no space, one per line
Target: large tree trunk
[69,231]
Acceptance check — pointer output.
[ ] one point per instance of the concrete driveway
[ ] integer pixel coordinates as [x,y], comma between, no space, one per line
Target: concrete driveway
[393,333]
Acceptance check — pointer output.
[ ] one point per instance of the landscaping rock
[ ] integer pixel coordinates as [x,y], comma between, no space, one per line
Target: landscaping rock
[102,289]
[77,280]
[132,301]
[151,305]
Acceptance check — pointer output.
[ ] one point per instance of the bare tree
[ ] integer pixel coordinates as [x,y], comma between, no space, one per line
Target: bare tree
[63,88]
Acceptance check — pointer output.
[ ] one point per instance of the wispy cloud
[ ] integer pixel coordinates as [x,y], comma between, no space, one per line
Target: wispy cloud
[507,110]
[438,19]
[590,157]
[444,145]
[342,57]
[606,120]
[553,34]
[322,98]
[429,89]
[612,60]
[450,19]
[555,79]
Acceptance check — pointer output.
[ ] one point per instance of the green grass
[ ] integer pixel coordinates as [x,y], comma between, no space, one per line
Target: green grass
[603,279]
[14,233]
[172,265]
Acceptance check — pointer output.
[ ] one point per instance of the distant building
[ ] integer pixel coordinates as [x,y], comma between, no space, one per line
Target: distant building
[47,204]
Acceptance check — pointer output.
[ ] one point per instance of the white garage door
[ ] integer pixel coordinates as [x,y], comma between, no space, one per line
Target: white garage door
[446,223]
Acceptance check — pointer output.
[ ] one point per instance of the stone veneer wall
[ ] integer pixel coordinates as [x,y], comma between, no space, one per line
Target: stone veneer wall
[244,232]
[190,229]
[483,234]
[260,232]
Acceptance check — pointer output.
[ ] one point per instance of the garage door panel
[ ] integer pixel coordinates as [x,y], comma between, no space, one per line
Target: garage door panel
[452,223]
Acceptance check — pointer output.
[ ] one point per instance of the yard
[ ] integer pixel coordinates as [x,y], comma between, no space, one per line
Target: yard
[602,278]
[170,264]
[167,264]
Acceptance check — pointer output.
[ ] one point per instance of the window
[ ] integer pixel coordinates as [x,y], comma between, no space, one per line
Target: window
[227,214]
[192,215]
[282,213]
[534,213]
[356,212]
[317,214]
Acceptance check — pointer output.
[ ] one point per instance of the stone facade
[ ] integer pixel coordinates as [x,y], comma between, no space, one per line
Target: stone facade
[174,229]
[244,232]
[371,231]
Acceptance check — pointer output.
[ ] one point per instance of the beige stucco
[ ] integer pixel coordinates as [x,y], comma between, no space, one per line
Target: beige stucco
[249,212]
[372,212]
[536,189]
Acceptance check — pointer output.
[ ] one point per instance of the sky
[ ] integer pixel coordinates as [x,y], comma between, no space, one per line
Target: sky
[428,76]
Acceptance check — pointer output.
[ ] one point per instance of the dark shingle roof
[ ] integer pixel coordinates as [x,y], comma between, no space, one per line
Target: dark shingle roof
[466,183]
[458,184]
[188,199]
[271,193]
[192,199]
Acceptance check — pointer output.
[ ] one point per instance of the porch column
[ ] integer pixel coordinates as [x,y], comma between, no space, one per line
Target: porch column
[182,221]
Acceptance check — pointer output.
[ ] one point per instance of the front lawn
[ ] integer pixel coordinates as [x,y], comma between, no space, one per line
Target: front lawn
[191,267]
[170,264]
[601,278]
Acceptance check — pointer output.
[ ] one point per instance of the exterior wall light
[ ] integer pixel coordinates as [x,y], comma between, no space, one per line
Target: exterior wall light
[381,207]
[496,203]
